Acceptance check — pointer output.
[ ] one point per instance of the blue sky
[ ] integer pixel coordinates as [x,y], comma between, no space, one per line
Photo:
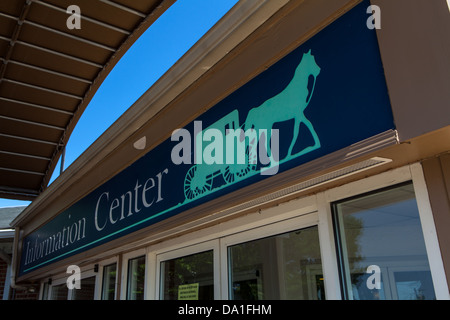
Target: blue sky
[180,27]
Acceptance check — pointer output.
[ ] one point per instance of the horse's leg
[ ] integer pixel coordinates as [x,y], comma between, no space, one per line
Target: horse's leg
[295,135]
[310,127]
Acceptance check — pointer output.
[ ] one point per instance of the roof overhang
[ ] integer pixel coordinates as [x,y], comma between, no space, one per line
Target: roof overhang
[114,150]
[49,74]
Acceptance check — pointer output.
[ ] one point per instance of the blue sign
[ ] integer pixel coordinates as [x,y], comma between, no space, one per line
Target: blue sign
[324,96]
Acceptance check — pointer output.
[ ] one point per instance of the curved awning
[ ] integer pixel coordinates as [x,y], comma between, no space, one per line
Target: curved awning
[49,73]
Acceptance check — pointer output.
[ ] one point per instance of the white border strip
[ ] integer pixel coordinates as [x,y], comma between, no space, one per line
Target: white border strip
[429,233]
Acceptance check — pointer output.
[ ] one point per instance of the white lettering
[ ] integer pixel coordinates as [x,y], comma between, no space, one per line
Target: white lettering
[206,311]
[41,248]
[374,281]
[159,176]
[233,149]
[130,199]
[136,189]
[74,21]
[198,142]
[71,234]
[144,191]
[130,202]
[114,205]
[233,142]
[184,147]
[374,21]
[96,212]
[213,152]
[271,152]
[74,281]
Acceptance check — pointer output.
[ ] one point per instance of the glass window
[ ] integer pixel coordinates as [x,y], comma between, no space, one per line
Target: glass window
[188,278]
[381,247]
[86,291]
[286,266]
[60,292]
[45,291]
[109,282]
[136,278]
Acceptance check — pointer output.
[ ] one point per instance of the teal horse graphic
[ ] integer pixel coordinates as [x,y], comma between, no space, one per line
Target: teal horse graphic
[289,104]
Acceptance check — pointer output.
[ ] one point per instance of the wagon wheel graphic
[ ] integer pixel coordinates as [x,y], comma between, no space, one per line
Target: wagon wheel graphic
[196,183]
[236,172]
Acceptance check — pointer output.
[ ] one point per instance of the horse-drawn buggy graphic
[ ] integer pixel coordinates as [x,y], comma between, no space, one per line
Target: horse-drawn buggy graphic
[289,104]
[199,178]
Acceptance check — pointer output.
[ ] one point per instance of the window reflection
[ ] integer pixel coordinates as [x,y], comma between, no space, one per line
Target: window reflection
[109,282]
[189,277]
[136,278]
[86,291]
[286,266]
[60,292]
[383,229]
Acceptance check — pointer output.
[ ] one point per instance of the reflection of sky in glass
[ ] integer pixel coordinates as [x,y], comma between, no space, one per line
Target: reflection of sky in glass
[406,290]
[384,229]
[388,230]
[412,285]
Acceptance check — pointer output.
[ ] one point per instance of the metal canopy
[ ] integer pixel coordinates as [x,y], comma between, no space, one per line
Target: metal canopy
[49,73]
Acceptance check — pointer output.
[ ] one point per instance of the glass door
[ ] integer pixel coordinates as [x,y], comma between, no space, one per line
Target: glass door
[188,274]
[59,292]
[285,266]
[188,278]
[109,282]
[86,291]
[277,261]
[136,278]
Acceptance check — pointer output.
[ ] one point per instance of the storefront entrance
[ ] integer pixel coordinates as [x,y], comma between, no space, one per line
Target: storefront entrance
[372,239]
